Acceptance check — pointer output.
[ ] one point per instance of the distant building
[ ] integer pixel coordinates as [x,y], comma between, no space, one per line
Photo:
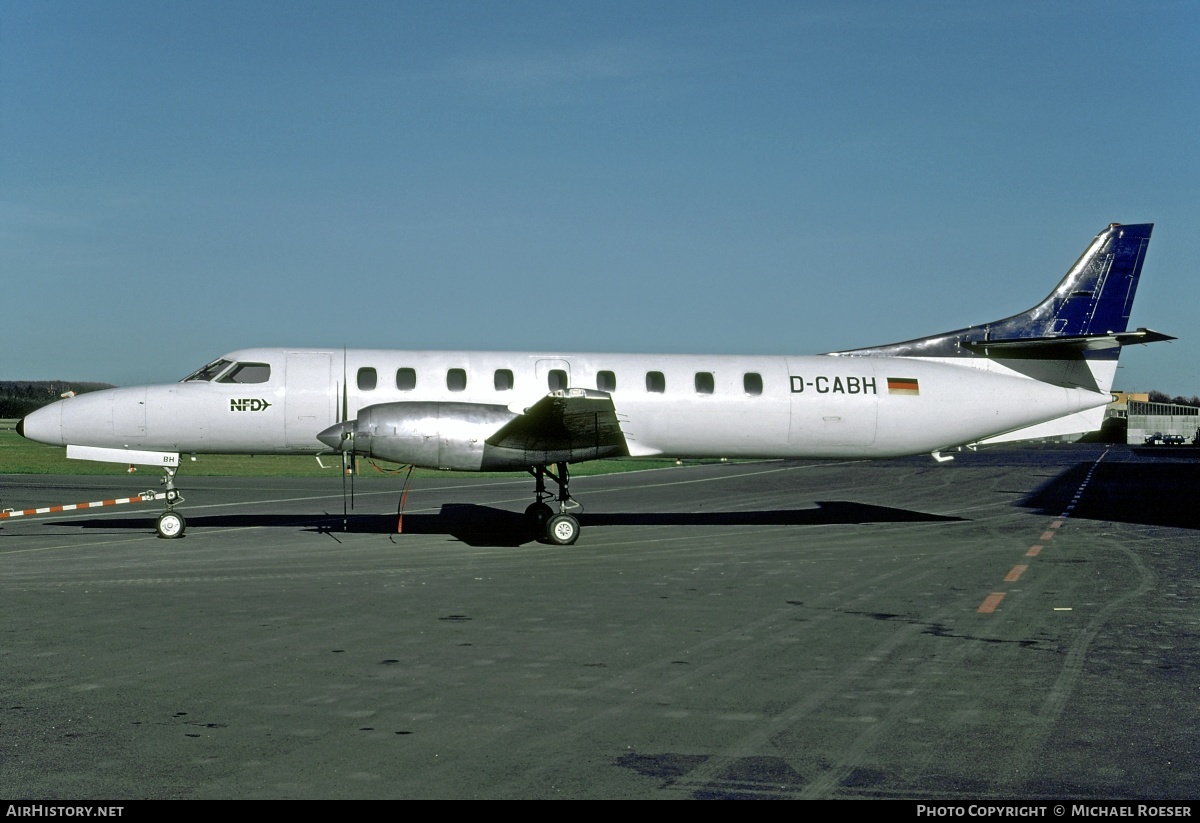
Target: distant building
[1145,419]
[1119,407]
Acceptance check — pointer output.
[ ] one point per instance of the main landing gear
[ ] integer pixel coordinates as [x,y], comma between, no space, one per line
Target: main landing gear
[170,523]
[561,529]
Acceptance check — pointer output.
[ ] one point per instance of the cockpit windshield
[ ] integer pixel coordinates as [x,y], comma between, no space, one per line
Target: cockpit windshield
[248,373]
[208,372]
[227,371]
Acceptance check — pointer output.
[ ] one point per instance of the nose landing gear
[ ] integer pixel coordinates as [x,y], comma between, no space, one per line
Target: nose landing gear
[562,529]
[170,524]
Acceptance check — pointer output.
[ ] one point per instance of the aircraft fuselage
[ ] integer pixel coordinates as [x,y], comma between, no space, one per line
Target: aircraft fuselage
[675,405]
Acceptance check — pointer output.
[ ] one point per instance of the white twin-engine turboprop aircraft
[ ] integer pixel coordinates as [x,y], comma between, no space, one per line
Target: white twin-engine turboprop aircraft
[1042,372]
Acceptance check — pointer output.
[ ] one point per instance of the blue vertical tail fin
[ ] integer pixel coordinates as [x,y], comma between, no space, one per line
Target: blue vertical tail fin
[1087,312]
[1097,293]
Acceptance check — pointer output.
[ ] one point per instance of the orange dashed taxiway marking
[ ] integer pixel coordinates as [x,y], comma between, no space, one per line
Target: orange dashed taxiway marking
[990,602]
[1015,574]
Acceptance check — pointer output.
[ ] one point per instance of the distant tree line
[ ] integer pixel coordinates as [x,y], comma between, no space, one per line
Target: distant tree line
[1163,397]
[19,397]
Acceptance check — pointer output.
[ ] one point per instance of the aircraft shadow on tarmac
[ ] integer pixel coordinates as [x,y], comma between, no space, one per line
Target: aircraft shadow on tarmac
[487,526]
[1153,494]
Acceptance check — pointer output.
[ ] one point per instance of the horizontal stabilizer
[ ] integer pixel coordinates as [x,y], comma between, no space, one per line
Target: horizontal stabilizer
[1061,347]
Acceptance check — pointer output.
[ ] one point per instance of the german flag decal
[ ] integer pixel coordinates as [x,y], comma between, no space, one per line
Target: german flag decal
[903,385]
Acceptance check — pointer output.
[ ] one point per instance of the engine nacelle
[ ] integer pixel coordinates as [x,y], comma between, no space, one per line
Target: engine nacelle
[428,434]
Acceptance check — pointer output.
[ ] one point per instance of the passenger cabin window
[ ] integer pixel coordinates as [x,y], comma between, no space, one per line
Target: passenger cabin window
[456,379]
[556,379]
[752,383]
[367,379]
[207,373]
[248,373]
[503,380]
[606,381]
[655,382]
[704,382]
[406,379]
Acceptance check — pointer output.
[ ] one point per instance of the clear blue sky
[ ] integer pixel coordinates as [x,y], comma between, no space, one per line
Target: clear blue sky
[179,179]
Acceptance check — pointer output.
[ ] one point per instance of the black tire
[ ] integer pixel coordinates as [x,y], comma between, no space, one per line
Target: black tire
[562,530]
[170,525]
[538,515]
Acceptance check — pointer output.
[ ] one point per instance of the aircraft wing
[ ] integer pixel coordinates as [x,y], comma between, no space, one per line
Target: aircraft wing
[582,422]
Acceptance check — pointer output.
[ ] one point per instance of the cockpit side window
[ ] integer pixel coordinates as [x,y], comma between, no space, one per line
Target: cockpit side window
[208,372]
[248,373]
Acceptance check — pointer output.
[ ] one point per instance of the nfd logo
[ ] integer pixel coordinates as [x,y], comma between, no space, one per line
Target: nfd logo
[252,404]
[822,384]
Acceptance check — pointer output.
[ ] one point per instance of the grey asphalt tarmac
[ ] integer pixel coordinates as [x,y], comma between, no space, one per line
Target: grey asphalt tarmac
[1020,623]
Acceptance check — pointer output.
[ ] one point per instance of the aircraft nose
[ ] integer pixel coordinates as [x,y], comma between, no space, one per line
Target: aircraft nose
[43,425]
